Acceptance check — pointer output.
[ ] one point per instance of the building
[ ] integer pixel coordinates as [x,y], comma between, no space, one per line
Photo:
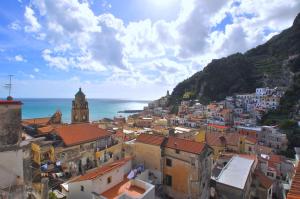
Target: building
[280,170]
[147,145]
[109,181]
[261,186]
[80,108]
[181,165]
[83,146]
[218,128]
[234,180]
[273,138]
[37,127]
[186,168]
[14,169]
[221,142]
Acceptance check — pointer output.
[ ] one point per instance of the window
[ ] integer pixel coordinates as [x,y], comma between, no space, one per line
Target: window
[169,180]
[192,161]
[177,151]
[270,174]
[250,149]
[81,188]
[168,162]
[109,180]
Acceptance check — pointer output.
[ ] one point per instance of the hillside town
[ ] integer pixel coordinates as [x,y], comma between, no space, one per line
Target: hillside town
[204,151]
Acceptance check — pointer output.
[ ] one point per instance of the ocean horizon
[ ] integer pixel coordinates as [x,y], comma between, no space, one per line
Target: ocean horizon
[99,108]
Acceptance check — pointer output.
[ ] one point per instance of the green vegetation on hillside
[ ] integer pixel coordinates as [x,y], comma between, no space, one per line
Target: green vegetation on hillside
[263,66]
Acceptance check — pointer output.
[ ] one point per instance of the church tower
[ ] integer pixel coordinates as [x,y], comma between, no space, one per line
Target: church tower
[80,108]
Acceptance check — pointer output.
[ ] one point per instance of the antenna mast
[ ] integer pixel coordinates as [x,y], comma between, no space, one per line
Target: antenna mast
[9,85]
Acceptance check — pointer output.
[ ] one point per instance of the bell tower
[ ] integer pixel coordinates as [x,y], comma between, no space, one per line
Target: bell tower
[80,108]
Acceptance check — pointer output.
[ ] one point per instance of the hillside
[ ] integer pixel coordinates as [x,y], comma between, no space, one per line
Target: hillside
[242,73]
[275,63]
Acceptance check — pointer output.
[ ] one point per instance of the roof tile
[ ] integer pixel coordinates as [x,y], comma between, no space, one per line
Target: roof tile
[185,145]
[150,139]
[90,175]
[80,133]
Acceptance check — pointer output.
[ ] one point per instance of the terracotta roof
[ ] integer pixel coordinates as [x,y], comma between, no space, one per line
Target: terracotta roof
[263,180]
[123,187]
[221,139]
[90,175]
[294,192]
[218,126]
[150,139]
[185,145]
[80,133]
[36,121]
[45,129]
[11,102]
[277,159]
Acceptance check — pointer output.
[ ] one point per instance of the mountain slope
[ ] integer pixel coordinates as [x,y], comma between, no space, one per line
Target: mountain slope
[241,73]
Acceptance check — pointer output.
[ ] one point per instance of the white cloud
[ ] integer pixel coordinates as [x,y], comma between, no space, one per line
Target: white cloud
[36,70]
[19,58]
[15,25]
[154,52]
[31,76]
[33,24]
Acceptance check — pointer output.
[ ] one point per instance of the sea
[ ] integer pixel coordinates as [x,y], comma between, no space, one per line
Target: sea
[98,108]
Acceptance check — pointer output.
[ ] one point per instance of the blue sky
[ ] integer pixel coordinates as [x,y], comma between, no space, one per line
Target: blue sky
[129,49]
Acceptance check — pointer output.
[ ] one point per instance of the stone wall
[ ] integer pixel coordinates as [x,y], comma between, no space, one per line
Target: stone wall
[10,125]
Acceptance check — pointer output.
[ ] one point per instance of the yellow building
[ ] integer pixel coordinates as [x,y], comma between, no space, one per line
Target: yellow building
[42,151]
[148,151]
[187,168]
[184,165]
[200,136]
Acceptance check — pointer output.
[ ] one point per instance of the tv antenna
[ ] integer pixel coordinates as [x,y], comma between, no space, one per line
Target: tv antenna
[9,85]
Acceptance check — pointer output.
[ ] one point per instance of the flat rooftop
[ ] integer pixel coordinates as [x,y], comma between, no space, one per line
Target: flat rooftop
[123,187]
[236,172]
[257,128]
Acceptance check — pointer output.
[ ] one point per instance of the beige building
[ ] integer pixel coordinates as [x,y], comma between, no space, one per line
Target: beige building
[148,151]
[181,165]
[186,168]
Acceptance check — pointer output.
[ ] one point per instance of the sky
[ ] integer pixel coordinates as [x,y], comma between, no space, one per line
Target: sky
[126,49]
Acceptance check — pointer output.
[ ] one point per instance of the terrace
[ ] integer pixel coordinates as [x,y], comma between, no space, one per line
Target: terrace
[129,189]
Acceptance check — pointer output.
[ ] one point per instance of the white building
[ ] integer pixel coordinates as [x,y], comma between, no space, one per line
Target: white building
[234,179]
[107,182]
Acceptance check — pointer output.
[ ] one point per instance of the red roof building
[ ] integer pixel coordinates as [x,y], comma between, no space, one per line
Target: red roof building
[150,139]
[185,145]
[10,102]
[74,134]
[102,170]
